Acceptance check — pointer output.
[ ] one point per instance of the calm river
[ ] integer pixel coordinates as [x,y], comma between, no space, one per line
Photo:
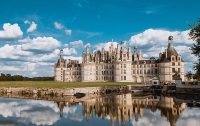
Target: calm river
[117,109]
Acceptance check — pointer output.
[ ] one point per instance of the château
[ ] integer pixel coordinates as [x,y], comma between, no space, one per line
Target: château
[120,65]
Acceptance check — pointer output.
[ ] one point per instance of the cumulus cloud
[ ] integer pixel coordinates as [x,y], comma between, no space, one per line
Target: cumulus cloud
[54,55]
[10,32]
[76,44]
[40,44]
[69,51]
[153,37]
[68,32]
[105,45]
[13,52]
[58,25]
[33,26]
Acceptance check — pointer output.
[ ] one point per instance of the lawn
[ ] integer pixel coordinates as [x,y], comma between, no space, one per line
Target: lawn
[53,84]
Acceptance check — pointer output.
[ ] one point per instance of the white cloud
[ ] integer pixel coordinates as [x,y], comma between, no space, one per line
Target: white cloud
[54,55]
[65,45]
[105,45]
[32,27]
[76,44]
[58,25]
[13,52]
[27,22]
[40,44]
[69,51]
[10,32]
[153,37]
[26,40]
[68,32]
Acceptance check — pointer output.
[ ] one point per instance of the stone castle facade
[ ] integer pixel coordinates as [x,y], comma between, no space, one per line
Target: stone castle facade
[120,65]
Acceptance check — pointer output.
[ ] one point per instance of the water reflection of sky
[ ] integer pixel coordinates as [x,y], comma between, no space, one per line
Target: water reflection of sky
[15,112]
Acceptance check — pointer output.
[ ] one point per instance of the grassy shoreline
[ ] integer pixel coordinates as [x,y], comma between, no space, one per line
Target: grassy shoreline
[53,84]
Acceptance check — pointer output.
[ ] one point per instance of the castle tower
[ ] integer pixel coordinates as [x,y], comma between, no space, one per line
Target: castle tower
[135,57]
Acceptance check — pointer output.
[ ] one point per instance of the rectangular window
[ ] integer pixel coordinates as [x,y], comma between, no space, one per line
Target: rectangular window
[121,77]
[124,71]
[179,70]
[173,63]
[173,70]
[124,65]
[179,63]
[156,71]
[124,77]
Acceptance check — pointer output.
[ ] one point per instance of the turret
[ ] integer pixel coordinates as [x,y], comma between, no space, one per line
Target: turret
[61,53]
[118,52]
[87,49]
[140,56]
[103,57]
[129,54]
[135,54]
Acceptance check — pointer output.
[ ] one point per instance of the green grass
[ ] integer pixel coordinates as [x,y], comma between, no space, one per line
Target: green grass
[53,84]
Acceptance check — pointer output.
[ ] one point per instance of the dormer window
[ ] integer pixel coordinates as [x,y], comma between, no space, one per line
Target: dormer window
[173,58]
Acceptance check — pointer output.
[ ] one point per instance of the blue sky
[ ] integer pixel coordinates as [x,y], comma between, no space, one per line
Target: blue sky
[37,29]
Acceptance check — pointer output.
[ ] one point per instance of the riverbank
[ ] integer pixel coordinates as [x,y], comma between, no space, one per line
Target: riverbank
[71,91]
[53,84]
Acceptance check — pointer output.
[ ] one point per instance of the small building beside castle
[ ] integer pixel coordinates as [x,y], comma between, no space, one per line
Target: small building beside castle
[120,65]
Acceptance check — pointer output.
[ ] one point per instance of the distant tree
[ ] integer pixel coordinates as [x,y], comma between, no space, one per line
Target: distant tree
[3,75]
[189,75]
[195,36]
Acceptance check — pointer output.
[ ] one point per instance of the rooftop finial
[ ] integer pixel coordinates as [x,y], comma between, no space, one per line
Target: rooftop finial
[170,38]
[61,52]
[135,49]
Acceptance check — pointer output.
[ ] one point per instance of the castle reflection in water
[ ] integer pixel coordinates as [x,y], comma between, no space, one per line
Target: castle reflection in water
[122,107]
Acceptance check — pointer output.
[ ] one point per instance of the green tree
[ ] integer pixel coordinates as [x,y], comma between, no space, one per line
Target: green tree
[189,75]
[195,36]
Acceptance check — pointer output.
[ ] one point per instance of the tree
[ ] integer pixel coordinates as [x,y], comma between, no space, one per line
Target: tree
[195,36]
[189,75]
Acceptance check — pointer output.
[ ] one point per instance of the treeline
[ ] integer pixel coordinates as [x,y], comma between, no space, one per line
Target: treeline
[9,77]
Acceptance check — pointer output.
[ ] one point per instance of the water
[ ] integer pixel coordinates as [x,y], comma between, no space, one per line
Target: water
[117,109]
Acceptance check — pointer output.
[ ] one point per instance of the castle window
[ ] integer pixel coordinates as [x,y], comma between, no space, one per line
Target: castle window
[173,70]
[173,63]
[173,59]
[156,71]
[179,63]
[124,77]
[124,71]
[121,77]
[179,70]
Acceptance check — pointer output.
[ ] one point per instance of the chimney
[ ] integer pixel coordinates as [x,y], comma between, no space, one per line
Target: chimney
[166,53]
